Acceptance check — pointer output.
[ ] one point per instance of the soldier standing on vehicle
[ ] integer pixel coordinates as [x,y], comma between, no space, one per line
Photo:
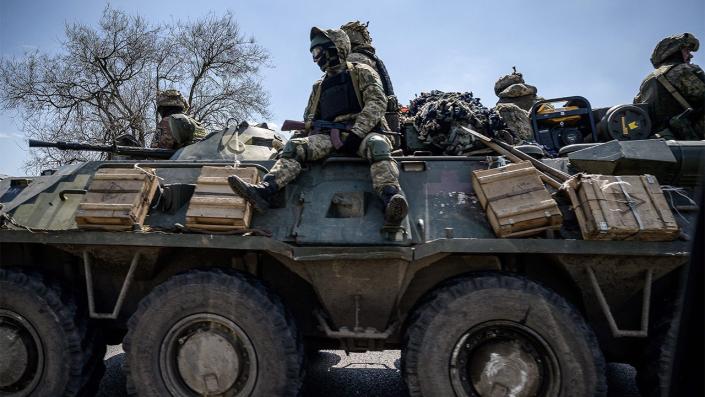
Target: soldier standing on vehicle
[348,92]
[362,51]
[675,91]
[515,100]
[176,129]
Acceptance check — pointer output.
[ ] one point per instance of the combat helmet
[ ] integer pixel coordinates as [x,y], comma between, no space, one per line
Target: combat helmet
[358,33]
[171,98]
[670,45]
[513,86]
[505,81]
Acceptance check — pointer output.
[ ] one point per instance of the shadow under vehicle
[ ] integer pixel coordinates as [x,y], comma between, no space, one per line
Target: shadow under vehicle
[233,314]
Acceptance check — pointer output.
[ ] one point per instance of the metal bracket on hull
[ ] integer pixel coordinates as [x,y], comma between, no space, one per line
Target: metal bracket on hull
[358,339]
[123,290]
[646,299]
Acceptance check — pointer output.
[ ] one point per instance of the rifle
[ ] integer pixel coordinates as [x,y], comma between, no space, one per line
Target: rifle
[318,126]
[682,125]
[116,149]
[321,125]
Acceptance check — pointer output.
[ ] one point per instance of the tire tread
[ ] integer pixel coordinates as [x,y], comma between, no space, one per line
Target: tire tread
[438,299]
[272,308]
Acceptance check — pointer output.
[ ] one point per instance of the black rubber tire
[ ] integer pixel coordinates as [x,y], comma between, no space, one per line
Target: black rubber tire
[235,296]
[94,355]
[456,307]
[73,351]
[653,370]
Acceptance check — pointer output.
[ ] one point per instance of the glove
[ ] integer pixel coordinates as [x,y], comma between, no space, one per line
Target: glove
[351,144]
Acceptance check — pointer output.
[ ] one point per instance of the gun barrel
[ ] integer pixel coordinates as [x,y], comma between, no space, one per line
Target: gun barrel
[38,143]
[121,150]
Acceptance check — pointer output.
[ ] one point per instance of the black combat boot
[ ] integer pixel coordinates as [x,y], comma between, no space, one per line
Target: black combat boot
[395,205]
[259,195]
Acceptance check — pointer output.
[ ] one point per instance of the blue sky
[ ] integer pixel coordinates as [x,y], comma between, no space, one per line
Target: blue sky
[598,49]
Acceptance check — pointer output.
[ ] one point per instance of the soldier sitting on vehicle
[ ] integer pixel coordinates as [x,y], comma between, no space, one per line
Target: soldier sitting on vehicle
[515,100]
[348,92]
[362,51]
[176,129]
[675,91]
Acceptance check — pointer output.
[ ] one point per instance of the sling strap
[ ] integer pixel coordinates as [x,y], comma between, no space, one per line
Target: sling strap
[670,88]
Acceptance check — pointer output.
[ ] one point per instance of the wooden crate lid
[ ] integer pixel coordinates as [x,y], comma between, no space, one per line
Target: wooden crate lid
[510,180]
[632,207]
[214,206]
[117,197]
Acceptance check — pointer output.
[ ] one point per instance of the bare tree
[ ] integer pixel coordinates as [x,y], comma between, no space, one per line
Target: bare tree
[104,82]
[221,65]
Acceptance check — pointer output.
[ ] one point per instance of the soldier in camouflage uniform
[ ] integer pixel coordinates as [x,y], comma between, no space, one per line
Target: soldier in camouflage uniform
[176,129]
[362,51]
[515,100]
[675,91]
[350,93]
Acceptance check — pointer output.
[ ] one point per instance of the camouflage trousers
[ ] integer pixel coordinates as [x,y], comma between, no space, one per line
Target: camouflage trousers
[317,147]
[517,120]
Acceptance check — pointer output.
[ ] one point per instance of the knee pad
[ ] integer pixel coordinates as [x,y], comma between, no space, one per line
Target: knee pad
[295,149]
[378,149]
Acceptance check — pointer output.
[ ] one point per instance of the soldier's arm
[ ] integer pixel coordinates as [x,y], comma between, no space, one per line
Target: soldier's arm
[646,92]
[309,113]
[374,102]
[199,131]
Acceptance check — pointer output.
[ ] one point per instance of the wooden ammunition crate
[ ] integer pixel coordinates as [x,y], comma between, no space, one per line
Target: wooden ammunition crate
[214,206]
[621,208]
[117,199]
[515,200]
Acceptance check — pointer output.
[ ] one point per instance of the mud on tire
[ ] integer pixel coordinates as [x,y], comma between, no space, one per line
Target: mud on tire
[48,345]
[500,333]
[211,332]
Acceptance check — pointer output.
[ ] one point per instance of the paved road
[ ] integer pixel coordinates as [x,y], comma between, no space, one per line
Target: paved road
[372,374]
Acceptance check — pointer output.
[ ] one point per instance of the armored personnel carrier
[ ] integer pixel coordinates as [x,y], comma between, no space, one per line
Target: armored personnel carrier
[226,312]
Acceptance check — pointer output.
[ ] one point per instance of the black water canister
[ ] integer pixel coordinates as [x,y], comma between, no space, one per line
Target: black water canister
[624,123]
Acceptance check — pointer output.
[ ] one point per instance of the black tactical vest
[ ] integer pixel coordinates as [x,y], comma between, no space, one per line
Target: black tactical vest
[338,97]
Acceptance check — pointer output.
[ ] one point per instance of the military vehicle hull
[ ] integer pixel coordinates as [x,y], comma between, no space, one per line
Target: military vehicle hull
[204,312]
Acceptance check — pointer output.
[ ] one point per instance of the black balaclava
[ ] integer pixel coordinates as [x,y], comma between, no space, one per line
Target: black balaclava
[324,52]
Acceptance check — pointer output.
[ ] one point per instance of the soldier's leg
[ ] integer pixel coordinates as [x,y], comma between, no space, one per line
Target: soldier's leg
[385,176]
[285,170]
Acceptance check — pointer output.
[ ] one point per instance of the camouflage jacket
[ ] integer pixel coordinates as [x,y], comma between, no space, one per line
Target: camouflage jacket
[190,131]
[519,94]
[370,94]
[359,57]
[689,81]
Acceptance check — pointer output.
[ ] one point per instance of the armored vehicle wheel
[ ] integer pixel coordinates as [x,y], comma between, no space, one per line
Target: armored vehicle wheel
[654,367]
[211,333]
[653,376]
[500,335]
[47,345]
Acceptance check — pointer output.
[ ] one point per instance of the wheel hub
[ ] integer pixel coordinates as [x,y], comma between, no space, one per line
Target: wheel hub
[504,368]
[14,362]
[207,355]
[503,358]
[21,359]
[208,363]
